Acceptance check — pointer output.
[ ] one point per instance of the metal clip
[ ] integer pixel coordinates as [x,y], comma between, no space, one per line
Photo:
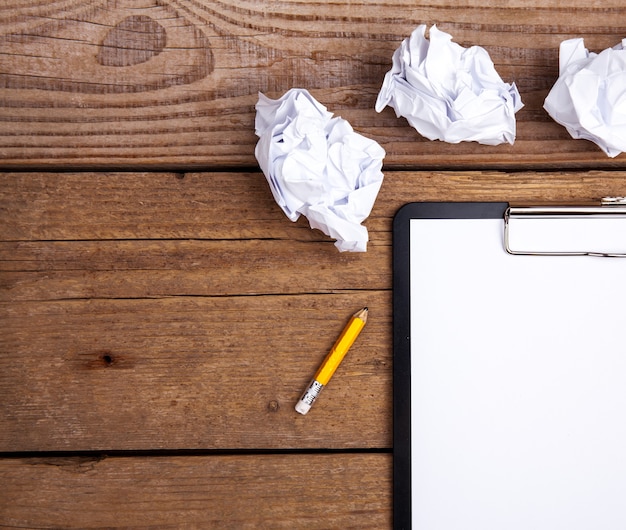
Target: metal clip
[564,234]
[613,201]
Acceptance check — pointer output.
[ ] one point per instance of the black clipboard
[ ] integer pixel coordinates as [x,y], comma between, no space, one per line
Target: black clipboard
[403,309]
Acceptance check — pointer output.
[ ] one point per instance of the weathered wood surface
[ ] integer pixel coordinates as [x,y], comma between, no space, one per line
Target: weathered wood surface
[149,311]
[126,235]
[146,309]
[226,492]
[191,372]
[136,84]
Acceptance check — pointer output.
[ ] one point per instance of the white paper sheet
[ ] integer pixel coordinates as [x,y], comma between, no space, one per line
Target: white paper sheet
[589,97]
[518,381]
[450,93]
[317,166]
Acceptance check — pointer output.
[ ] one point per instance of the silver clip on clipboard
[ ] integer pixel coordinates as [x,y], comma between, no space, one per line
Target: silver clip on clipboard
[567,230]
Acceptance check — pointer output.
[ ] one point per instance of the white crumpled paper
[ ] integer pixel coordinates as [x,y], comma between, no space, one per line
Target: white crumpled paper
[317,166]
[589,97]
[450,93]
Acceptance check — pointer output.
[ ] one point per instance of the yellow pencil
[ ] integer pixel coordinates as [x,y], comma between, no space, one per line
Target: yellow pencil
[332,360]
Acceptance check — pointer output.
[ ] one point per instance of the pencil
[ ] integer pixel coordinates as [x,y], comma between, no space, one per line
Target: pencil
[332,361]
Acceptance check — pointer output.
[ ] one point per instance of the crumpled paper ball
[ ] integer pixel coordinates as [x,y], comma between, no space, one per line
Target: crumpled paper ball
[317,166]
[449,93]
[589,97]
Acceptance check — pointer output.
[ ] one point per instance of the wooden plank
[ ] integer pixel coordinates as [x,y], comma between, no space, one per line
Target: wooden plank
[191,372]
[103,206]
[111,84]
[519,188]
[45,270]
[260,491]
[236,206]
[72,236]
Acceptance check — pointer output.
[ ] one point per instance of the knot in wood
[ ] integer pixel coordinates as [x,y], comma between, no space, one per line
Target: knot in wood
[135,40]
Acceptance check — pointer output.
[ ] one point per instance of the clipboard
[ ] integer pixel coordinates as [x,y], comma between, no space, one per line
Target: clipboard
[509,367]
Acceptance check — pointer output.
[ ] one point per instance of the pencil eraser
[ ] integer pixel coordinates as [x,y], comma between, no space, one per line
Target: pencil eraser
[302,407]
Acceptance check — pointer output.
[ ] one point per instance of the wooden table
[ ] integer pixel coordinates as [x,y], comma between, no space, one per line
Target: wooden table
[159,315]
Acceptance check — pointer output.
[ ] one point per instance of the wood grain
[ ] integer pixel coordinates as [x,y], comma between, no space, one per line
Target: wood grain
[191,372]
[228,492]
[159,315]
[106,236]
[152,311]
[238,206]
[173,83]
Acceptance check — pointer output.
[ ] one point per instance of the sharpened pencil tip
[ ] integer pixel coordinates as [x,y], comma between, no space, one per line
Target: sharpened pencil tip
[362,314]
